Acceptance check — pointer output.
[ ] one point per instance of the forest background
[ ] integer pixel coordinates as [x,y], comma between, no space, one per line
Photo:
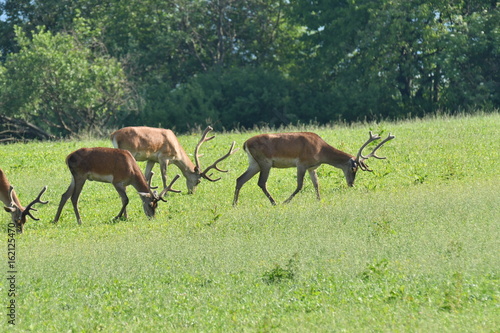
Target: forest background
[73,66]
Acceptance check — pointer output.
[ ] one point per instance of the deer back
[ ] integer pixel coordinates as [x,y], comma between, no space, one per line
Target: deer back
[109,165]
[288,149]
[148,143]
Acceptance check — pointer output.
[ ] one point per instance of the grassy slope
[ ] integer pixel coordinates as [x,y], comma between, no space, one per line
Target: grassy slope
[413,247]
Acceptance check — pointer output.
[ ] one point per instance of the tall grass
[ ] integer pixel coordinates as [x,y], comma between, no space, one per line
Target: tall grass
[413,247]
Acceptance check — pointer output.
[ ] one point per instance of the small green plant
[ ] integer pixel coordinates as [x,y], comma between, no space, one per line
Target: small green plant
[383,227]
[279,274]
[376,269]
[215,216]
[454,294]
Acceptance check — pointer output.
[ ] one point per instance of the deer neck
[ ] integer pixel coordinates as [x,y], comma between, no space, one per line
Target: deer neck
[335,157]
[140,184]
[7,202]
[184,163]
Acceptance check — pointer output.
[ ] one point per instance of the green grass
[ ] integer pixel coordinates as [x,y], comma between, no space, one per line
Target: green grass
[413,247]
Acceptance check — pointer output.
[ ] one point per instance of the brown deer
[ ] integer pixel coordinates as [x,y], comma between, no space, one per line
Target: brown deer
[303,150]
[109,165]
[13,205]
[158,145]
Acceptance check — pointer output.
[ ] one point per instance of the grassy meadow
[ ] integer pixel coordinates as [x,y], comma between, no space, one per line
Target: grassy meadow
[413,247]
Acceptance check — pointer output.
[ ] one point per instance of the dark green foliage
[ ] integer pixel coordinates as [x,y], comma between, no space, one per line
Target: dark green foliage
[244,63]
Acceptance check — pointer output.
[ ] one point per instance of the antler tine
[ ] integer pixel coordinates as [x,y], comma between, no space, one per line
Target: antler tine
[203,139]
[169,188]
[214,165]
[37,200]
[372,138]
[372,154]
[11,191]
[149,182]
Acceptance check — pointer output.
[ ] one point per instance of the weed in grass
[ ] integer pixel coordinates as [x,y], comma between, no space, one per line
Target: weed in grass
[377,269]
[215,216]
[382,227]
[454,250]
[454,293]
[279,274]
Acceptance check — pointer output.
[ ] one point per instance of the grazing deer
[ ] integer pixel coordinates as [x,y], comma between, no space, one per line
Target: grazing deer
[304,150]
[158,145]
[13,205]
[109,165]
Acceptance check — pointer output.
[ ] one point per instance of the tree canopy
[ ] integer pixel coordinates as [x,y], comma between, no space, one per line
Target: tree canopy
[79,65]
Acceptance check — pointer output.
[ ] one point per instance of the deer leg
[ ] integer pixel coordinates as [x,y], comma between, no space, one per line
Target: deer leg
[123,195]
[314,178]
[74,198]
[252,170]
[64,198]
[264,175]
[148,172]
[300,182]
[163,170]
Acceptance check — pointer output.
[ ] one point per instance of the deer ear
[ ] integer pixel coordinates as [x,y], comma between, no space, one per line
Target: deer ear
[9,209]
[144,194]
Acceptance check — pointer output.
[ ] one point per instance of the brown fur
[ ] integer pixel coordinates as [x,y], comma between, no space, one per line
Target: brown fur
[305,151]
[12,204]
[108,165]
[158,145]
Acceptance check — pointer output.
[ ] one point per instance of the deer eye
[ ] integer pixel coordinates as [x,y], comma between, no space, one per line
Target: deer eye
[354,166]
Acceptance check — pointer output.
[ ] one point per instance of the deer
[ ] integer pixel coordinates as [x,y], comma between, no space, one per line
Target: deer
[305,151]
[158,145]
[13,205]
[109,165]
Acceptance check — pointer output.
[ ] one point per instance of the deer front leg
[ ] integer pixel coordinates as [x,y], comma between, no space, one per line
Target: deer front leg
[123,195]
[163,171]
[314,178]
[148,172]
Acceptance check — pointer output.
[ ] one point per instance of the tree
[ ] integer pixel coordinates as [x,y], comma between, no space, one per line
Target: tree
[396,58]
[63,82]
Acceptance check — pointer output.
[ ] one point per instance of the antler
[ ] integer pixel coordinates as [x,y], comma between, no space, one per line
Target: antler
[214,165]
[202,140]
[12,202]
[149,182]
[360,158]
[169,189]
[30,206]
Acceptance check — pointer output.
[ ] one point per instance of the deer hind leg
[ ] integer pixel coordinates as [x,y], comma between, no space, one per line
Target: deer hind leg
[64,198]
[74,197]
[300,182]
[264,175]
[314,178]
[252,170]
[123,195]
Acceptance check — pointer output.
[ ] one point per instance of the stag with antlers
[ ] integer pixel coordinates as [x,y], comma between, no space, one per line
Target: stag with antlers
[158,145]
[109,165]
[303,150]
[13,205]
